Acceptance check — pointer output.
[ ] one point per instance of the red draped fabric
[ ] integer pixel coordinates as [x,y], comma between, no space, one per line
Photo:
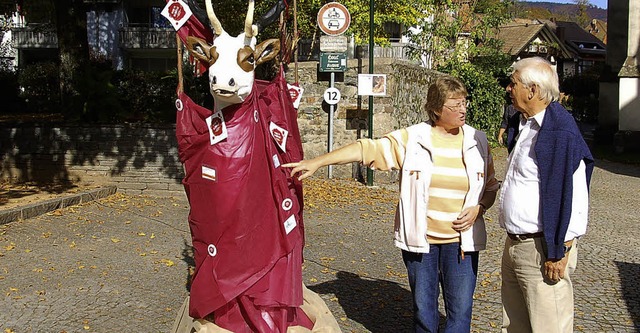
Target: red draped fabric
[246,212]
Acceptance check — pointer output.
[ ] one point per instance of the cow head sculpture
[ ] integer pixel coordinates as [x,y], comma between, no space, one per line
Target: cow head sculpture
[232,60]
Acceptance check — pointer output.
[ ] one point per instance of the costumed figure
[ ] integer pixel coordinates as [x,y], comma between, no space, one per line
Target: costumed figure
[245,210]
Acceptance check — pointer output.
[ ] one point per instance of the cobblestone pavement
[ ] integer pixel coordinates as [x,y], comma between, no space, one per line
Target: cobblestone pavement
[121,264]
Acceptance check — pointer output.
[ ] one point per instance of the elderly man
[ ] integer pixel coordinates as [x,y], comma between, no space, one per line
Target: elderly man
[543,203]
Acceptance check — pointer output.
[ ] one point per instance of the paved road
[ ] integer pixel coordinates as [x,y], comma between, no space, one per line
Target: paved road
[121,264]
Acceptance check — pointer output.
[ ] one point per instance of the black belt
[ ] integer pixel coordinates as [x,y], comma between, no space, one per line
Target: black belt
[523,237]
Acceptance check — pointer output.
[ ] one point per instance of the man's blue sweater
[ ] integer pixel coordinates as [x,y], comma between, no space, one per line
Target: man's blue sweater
[559,150]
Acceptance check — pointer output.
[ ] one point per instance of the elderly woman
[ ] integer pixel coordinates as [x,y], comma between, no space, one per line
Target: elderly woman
[447,182]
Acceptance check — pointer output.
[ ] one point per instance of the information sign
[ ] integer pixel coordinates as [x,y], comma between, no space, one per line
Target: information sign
[333,62]
[333,43]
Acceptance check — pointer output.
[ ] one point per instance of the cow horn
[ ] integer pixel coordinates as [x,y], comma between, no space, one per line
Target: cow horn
[215,23]
[248,30]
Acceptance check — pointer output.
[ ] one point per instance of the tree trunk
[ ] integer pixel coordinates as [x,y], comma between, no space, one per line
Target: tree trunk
[71,26]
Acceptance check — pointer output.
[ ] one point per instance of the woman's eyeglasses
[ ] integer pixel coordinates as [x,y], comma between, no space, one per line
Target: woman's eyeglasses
[458,107]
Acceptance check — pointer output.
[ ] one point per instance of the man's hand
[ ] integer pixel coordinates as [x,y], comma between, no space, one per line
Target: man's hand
[467,218]
[501,136]
[554,268]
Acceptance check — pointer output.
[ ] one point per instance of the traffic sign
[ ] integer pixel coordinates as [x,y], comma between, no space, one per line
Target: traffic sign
[333,62]
[334,18]
[333,43]
[332,96]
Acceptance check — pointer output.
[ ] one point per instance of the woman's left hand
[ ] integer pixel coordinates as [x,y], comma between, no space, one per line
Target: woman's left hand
[467,218]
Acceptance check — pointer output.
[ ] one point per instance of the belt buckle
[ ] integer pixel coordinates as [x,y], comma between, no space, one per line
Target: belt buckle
[520,237]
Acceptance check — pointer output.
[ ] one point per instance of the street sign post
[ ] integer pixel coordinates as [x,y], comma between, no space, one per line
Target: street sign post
[333,19]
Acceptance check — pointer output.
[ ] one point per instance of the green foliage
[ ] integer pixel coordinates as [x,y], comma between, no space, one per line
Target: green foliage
[105,96]
[453,31]
[579,11]
[97,100]
[146,96]
[459,41]
[404,12]
[40,87]
[10,91]
[583,17]
[197,88]
[486,96]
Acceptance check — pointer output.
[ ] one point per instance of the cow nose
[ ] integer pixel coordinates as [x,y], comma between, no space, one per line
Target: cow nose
[214,80]
[232,83]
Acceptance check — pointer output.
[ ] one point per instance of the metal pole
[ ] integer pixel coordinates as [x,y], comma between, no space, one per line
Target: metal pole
[295,36]
[371,45]
[330,131]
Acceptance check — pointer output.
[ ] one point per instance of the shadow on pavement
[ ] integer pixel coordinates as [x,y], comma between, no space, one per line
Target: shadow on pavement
[379,305]
[15,191]
[187,257]
[619,168]
[629,273]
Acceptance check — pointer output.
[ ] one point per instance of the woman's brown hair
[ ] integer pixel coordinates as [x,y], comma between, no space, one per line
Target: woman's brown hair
[445,87]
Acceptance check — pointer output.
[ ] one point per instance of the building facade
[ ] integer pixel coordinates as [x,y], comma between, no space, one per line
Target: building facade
[131,34]
[620,85]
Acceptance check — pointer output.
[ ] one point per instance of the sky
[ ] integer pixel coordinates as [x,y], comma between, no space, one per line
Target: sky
[597,3]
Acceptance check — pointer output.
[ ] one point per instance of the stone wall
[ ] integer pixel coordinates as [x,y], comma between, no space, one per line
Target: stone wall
[144,159]
[406,94]
[137,159]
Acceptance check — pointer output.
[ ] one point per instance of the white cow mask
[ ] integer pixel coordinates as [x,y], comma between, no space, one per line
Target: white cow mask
[232,60]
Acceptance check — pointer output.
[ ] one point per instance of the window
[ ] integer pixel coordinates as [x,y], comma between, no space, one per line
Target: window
[157,20]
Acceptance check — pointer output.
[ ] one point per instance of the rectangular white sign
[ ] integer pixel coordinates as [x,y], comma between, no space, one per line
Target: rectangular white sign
[333,43]
[372,84]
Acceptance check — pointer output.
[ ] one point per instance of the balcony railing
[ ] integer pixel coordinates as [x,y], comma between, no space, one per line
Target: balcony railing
[29,38]
[147,38]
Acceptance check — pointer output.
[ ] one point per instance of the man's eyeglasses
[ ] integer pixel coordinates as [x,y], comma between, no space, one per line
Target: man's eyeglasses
[458,107]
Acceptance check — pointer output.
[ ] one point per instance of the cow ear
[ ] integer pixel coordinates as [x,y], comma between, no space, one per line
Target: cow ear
[266,50]
[201,50]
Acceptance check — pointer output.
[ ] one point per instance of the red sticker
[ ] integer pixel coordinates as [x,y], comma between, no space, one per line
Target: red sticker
[277,135]
[294,94]
[176,11]
[216,126]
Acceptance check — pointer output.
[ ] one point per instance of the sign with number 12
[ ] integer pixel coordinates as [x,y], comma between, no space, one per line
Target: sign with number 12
[332,96]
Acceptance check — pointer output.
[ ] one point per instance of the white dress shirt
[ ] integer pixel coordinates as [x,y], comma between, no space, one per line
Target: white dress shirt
[520,194]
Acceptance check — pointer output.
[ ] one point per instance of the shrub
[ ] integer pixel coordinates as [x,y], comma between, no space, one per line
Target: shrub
[103,95]
[146,96]
[486,96]
[97,100]
[40,87]
[10,92]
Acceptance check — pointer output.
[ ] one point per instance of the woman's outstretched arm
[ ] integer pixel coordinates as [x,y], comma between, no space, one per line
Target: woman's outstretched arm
[347,154]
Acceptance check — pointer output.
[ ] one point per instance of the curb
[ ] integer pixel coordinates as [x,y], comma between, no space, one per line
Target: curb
[40,208]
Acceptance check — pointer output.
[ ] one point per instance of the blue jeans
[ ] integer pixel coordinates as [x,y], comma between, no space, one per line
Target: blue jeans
[442,266]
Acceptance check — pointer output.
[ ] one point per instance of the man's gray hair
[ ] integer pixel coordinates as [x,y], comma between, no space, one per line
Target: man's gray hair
[538,71]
